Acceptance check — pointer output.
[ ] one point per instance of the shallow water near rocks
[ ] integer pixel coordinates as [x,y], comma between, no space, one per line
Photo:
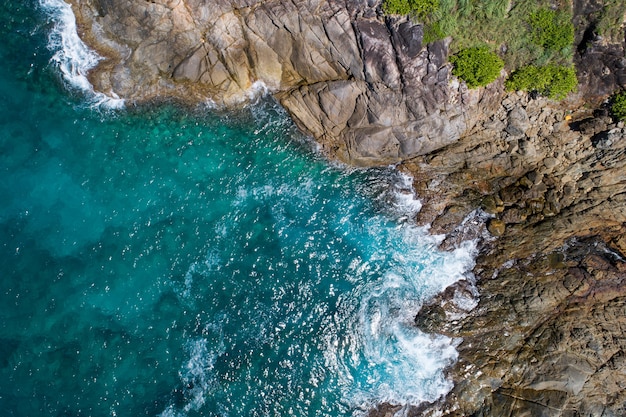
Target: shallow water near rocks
[163,261]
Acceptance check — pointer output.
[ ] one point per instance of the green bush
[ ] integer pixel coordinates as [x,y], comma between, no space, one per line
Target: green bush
[611,20]
[418,8]
[551,29]
[477,66]
[618,105]
[433,32]
[553,81]
[396,7]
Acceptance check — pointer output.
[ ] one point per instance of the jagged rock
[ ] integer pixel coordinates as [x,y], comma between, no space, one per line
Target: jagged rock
[515,359]
[362,84]
[493,204]
[511,195]
[518,122]
[514,215]
[599,62]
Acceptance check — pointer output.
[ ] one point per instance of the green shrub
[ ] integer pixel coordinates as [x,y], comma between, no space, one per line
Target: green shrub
[618,105]
[418,8]
[553,81]
[477,66]
[433,32]
[396,7]
[611,19]
[551,29]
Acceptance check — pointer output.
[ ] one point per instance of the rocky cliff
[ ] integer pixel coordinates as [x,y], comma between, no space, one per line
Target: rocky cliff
[364,86]
[542,184]
[547,335]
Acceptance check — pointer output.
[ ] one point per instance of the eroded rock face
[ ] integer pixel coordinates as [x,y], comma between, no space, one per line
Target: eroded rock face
[363,85]
[552,345]
[547,335]
[600,61]
[552,162]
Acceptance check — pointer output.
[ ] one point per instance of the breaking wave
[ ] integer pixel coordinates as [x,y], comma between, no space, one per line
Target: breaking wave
[73,58]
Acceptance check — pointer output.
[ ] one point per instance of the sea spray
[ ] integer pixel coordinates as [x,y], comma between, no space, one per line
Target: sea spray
[350,322]
[73,58]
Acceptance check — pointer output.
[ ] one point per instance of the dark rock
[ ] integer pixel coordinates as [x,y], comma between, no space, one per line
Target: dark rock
[493,204]
[518,122]
[515,215]
[408,38]
[511,195]
[430,318]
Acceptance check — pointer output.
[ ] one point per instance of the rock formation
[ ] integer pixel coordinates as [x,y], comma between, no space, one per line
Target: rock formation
[547,335]
[543,184]
[364,86]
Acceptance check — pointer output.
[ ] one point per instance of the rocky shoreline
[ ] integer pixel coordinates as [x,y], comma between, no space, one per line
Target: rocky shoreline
[547,335]
[544,181]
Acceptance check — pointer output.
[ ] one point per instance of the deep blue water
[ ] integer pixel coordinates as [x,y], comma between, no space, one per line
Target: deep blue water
[192,262]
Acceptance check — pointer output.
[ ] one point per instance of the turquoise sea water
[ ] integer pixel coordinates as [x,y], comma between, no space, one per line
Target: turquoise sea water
[175,262]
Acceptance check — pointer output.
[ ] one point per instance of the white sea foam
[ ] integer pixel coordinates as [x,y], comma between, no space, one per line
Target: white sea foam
[385,358]
[196,377]
[211,263]
[405,201]
[397,197]
[257,89]
[73,58]
[367,350]
[370,347]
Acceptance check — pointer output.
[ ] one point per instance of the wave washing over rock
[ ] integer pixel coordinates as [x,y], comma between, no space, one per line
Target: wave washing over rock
[73,58]
[169,261]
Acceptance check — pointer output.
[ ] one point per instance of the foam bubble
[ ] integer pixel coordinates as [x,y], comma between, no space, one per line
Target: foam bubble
[392,361]
[73,58]
[405,201]
[257,89]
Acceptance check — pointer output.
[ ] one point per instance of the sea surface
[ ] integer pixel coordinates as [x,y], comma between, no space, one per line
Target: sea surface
[167,261]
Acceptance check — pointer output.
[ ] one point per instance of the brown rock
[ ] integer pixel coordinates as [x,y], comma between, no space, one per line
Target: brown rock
[496,227]
[492,204]
[514,215]
[619,244]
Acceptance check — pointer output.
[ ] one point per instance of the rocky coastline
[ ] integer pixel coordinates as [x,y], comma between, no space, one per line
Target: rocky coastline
[542,183]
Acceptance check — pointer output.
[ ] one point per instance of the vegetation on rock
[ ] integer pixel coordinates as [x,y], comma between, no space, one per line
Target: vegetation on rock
[477,66]
[551,29]
[531,37]
[553,81]
[611,20]
[618,105]
[418,8]
[527,32]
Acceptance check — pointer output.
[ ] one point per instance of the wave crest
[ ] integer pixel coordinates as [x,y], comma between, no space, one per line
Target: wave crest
[73,57]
